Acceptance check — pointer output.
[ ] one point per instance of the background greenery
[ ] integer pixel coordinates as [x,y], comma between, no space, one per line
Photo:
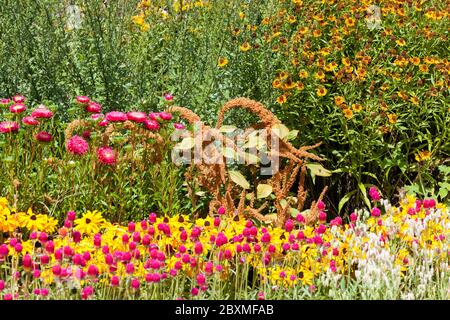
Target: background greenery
[127,64]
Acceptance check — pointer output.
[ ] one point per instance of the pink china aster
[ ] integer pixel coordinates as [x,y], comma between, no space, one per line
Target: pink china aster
[18,98]
[151,125]
[17,108]
[179,126]
[30,121]
[44,136]
[168,97]
[77,145]
[103,123]
[82,99]
[94,107]
[136,116]
[153,115]
[42,112]
[5,101]
[106,155]
[116,116]
[97,116]
[165,116]
[8,126]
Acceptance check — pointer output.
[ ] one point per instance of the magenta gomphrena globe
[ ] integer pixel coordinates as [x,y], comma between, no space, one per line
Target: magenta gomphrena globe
[77,145]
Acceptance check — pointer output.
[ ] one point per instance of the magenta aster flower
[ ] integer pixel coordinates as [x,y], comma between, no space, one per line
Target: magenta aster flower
[42,112]
[18,98]
[106,155]
[116,116]
[83,99]
[30,120]
[5,101]
[103,123]
[97,116]
[137,116]
[179,126]
[153,115]
[94,107]
[17,108]
[168,97]
[8,126]
[77,145]
[165,116]
[151,125]
[44,136]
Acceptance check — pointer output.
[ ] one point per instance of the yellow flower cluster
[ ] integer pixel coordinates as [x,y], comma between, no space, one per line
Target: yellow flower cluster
[10,220]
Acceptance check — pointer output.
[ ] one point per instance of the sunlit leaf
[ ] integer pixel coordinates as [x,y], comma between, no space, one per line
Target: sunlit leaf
[239,179]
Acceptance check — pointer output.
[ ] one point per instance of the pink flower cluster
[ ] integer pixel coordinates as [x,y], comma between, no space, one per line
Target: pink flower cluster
[77,145]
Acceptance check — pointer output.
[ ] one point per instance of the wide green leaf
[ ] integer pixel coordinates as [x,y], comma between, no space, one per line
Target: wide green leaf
[263,190]
[239,179]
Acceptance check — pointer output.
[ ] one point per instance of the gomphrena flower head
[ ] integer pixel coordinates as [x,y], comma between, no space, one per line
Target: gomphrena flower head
[77,145]
[374,194]
[86,292]
[137,116]
[42,112]
[17,108]
[116,116]
[30,121]
[375,212]
[106,155]
[321,205]
[44,136]
[8,126]
[82,99]
[71,215]
[93,107]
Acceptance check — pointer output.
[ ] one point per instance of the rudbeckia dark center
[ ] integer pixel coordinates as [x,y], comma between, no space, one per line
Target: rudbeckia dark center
[33,217]
[88,220]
